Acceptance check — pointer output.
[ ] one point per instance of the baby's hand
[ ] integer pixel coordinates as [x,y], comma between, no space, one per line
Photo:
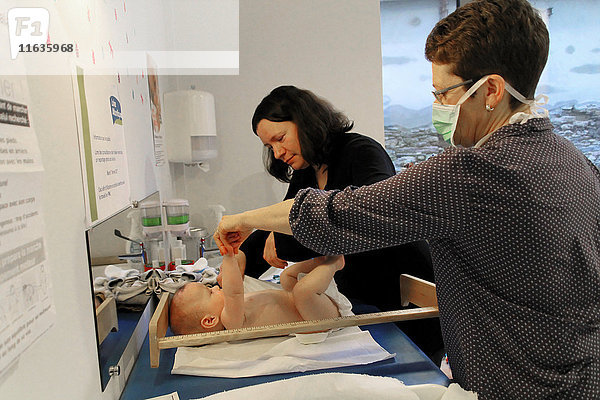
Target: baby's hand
[220,278]
[230,233]
[229,261]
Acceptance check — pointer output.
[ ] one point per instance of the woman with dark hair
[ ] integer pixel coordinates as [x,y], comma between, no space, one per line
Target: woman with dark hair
[318,125]
[308,144]
[511,212]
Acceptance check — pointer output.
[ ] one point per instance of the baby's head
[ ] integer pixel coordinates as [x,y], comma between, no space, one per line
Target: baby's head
[196,308]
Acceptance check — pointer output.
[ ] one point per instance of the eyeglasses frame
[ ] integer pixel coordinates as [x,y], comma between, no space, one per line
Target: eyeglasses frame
[437,93]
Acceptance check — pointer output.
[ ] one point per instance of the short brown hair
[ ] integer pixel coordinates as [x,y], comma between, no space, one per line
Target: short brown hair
[504,37]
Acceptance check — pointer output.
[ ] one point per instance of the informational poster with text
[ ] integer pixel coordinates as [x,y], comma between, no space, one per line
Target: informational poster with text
[102,146]
[26,304]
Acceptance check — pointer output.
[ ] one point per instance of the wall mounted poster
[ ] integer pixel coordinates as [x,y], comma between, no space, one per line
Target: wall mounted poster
[102,146]
[158,137]
[26,304]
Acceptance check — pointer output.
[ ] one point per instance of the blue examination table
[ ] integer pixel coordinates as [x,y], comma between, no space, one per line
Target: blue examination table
[410,365]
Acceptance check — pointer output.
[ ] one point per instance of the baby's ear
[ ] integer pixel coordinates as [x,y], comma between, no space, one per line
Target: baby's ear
[209,321]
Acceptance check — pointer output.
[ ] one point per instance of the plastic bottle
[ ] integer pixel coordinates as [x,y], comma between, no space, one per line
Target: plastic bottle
[217,211]
[178,250]
[194,243]
[135,233]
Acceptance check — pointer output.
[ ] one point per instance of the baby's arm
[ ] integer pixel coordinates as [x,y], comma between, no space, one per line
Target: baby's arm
[232,315]
[240,259]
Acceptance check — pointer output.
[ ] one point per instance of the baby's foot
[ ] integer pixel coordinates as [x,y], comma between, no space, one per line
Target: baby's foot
[336,262]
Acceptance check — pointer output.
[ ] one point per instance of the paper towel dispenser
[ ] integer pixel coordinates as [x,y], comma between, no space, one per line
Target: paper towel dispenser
[190,126]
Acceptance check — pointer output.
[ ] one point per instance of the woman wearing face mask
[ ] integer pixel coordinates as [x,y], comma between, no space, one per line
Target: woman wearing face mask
[308,144]
[511,215]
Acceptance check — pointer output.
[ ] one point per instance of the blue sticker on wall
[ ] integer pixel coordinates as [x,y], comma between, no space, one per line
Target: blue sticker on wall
[115,108]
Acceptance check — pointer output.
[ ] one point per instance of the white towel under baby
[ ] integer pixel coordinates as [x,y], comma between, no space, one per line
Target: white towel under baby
[267,356]
[344,386]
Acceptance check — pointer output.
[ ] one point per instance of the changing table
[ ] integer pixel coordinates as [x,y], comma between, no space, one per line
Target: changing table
[410,365]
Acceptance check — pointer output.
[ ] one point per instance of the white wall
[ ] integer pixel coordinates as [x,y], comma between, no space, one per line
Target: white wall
[203,26]
[67,352]
[63,364]
[330,47]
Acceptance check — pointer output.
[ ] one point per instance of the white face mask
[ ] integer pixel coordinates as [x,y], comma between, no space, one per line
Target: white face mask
[445,117]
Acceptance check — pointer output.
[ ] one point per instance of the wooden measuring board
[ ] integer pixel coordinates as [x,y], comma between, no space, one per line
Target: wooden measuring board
[418,292]
[106,318]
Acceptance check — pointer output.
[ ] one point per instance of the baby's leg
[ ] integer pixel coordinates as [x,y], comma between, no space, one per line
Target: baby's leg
[289,276]
[309,293]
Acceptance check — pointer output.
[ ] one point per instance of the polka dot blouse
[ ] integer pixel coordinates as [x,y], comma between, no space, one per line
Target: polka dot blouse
[514,233]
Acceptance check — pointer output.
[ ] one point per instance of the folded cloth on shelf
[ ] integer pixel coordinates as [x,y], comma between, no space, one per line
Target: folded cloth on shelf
[112,271]
[267,356]
[198,272]
[199,265]
[101,287]
[129,286]
[131,292]
[344,386]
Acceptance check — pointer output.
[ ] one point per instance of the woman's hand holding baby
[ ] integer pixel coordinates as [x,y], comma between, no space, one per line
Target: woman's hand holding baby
[230,233]
[234,229]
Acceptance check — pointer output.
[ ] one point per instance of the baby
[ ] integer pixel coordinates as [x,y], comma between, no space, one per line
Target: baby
[195,308]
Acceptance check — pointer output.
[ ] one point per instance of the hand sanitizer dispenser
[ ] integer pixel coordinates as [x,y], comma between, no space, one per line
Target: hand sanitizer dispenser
[190,127]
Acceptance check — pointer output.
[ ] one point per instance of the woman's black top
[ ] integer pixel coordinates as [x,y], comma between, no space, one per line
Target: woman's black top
[371,277]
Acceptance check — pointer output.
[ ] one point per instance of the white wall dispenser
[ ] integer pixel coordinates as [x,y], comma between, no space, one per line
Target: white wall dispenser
[190,126]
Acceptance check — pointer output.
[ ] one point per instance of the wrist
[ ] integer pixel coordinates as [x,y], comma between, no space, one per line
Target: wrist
[245,220]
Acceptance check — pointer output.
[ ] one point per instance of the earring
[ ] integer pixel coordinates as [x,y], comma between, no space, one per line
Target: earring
[488,108]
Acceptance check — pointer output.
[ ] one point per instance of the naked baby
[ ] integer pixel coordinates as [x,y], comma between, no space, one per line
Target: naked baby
[195,308]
